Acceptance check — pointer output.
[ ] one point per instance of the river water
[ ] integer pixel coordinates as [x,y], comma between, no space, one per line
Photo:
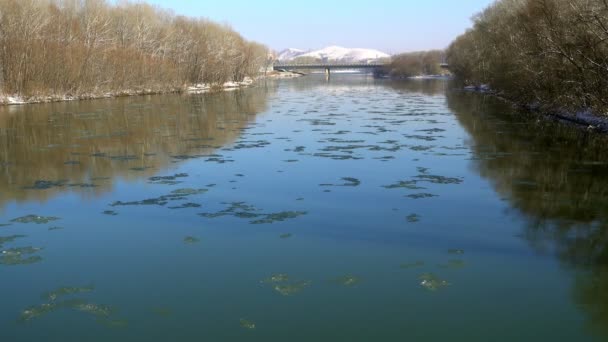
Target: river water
[351,209]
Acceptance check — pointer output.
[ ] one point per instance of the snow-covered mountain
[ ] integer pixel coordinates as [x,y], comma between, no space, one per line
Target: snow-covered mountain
[289,54]
[337,53]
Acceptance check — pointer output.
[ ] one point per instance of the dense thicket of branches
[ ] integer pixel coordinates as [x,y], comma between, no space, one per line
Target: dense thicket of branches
[91,46]
[552,53]
[416,64]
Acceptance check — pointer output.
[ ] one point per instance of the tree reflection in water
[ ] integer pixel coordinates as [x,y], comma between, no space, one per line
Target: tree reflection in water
[85,145]
[557,177]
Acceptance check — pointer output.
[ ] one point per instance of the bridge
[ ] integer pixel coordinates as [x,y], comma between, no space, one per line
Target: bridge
[326,66]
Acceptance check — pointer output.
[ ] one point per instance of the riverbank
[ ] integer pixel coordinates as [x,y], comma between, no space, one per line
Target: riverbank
[206,88]
[551,54]
[195,89]
[284,74]
[48,56]
[584,119]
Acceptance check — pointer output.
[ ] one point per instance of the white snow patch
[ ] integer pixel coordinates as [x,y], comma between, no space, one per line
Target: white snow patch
[205,87]
[14,100]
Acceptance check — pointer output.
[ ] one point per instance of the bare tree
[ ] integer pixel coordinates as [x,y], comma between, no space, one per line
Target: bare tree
[549,53]
[77,47]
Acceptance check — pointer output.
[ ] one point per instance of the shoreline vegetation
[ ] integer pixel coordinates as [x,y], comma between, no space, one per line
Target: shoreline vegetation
[549,57]
[415,65]
[62,50]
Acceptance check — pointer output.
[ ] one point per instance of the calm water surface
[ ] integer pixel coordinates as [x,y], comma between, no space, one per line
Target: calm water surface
[301,210]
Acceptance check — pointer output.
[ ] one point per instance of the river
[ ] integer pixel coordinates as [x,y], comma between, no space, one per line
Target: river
[352,209]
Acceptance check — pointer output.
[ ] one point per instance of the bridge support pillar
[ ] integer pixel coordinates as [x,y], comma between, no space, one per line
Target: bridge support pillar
[327,72]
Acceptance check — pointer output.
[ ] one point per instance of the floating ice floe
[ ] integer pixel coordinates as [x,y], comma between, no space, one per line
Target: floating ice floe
[37,219]
[431,282]
[291,288]
[17,256]
[191,240]
[246,324]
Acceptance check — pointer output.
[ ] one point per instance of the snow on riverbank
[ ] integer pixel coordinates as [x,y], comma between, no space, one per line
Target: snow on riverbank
[20,100]
[283,74]
[205,87]
[13,100]
[584,118]
[197,89]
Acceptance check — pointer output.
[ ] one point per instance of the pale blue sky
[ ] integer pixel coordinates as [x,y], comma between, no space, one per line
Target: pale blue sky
[391,26]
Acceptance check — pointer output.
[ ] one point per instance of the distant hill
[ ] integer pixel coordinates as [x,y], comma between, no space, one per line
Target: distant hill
[334,53]
[289,54]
